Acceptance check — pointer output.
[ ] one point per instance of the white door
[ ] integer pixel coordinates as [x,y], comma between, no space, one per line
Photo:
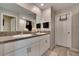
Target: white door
[13,24]
[63,31]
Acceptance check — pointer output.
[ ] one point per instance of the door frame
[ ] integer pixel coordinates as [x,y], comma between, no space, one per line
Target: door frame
[70,17]
[2,14]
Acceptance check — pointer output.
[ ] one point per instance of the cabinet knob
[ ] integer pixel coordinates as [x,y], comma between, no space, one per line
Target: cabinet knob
[68,32]
[28,50]
[45,41]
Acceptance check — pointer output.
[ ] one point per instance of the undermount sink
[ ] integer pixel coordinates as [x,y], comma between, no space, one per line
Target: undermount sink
[23,35]
[40,33]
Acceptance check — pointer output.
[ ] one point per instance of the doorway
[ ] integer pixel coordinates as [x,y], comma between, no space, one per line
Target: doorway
[8,23]
[63,29]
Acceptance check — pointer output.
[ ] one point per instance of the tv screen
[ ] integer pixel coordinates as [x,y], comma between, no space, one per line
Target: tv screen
[38,25]
[46,25]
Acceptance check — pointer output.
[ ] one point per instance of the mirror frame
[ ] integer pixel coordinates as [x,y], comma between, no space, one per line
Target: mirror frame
[1,24]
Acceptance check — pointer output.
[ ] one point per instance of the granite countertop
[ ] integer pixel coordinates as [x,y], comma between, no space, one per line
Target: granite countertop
[6,39]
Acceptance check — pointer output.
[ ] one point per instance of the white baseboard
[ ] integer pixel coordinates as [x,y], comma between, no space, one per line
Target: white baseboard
[73,49]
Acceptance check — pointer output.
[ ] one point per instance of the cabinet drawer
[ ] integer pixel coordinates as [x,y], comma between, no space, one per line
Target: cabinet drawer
[10,54]
[33,49]
[32,40]
[21,43]
[36,49]
[18,52]
[21,52]
[35,39]
[11,46]
[25,42]
[45,37]
[42,46]
[8,47]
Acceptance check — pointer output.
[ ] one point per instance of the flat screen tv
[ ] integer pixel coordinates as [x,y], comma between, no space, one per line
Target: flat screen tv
[46,25]
[38,25]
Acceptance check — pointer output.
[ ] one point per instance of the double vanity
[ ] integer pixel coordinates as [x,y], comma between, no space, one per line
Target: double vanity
[22,31]
[25,44]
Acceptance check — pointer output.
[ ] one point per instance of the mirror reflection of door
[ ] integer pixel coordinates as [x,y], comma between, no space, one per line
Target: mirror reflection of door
[9,23]
[13,24]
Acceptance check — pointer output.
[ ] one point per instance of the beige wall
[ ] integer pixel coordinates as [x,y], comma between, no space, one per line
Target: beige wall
[30,7]
[52,41]
[33,9]
[75,31]
[48,15]
[75,24]
[22,24]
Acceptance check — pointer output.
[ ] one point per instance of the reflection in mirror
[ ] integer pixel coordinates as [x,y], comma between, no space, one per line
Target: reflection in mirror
[9,23]
[14,17]
[29,25]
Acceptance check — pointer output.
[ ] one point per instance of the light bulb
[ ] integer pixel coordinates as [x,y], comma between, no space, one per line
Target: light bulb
[42,4]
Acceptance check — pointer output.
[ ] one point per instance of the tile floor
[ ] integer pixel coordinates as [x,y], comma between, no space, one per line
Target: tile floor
[61,51]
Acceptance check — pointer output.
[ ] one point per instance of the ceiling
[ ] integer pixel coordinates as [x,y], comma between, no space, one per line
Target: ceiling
[13,7]
[56,6]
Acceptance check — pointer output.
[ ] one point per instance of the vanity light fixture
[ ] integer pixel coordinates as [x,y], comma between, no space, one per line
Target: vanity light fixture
[42,4]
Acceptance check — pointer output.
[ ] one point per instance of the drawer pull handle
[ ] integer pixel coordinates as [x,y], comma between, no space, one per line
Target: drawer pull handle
[45,41]
[28,50]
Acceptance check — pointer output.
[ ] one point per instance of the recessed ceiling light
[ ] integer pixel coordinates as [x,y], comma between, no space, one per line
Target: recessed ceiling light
[42,4]
[34,8]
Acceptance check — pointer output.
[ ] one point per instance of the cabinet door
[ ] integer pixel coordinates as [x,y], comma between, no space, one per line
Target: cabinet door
[47,42]
[21,52]
[33,50]
[44,44]
[21,43]
[18,52]
[8,47]
[1,49]
[10,54]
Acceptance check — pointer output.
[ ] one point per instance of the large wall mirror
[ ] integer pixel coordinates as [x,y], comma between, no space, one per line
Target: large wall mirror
[15,18]
[9,22]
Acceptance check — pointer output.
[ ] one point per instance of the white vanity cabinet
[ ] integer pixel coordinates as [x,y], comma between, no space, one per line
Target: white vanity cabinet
[44,44]
[34,46]
[1,50]
[11,49]
[8,47]
[15,48]
[47,42]
[33,50]
[18,52]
